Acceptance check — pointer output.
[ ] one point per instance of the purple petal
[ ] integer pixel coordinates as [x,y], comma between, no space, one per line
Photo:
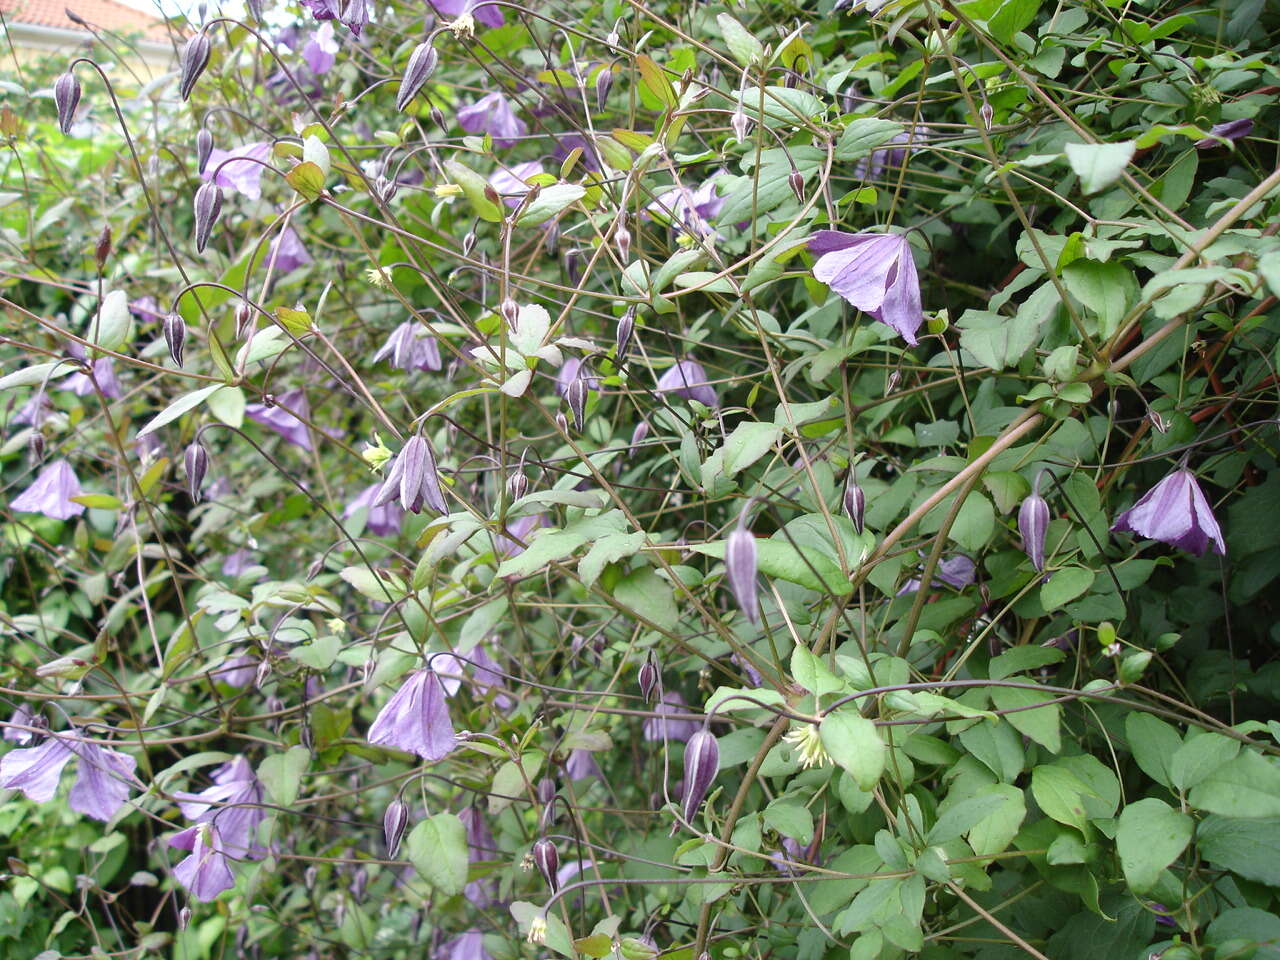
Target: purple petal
[104,781]
[51,493]
[35,770]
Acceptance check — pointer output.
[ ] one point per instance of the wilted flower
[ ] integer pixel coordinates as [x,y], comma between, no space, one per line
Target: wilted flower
[383,520]
[66,97]
[416,719]
[1033,524]
[873,271]
[280,417]
[489,14]
[321,51]
[51,493]
[240,169]
[102,783]
[1175,512]
[622,338]
[287,252]
[1231,130]
[493,115]
[411,347]
[701,764]
[687,378]
[355,15]
[740,570]
[205,873]
[414,476]
[662,726]
[513,184]
[233,805]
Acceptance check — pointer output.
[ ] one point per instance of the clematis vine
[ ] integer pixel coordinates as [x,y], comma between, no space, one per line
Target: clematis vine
[416,719]
[383,520]
[512,184]
[287,252]
[102,784]
[1175,512]
[411,347]
[494,115]
[873,271]
[487,14]
[206,872]
[240,169]
[687,378]
[233,804]
[51,493]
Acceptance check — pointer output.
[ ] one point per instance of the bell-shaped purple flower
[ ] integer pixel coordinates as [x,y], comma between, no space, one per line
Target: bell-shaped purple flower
[512,184]
[520,529]
[686,378]
[104,374]
[35,770]
[488,14]
[103,783]
[494,115]
[321,51]
[382,520]
[411,347]
[581,765]
[873,271]
[23,716]
[287,251]
[240,169]
[416,719]
[466,946]
[413,475]
[51,493]
[692,209]
[740,570]
[206,872]
[663,727]
[279,417]
[701,764]
[1175,512]
[355,15]
[956,571]
[480,843]
[1231,130]
[233,804]
[1033,524]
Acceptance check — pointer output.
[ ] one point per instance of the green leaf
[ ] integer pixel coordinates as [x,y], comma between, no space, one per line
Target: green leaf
[228,406]
[1201,755]
[317,654]
[1150,836]
[994,833]
[782,105]
[1108,290]
[806,566]
[111,327]
[644,592]
[549,545]
[1246,787]
[437,848]
[374,584]
[177,408]
[791,819]
[749,442]
[812,674]
[1040,724]
[308,179]
[863,135]
[1099,165]
[473,186]
[854,742]
[608,549]
[746,49]
[281,774]
[958,818]
[1064,586]
[1153,744]
[551,202]
[1022,659]
[33,374]
[1250,848]
[1061,795]
[98,501]
[1012,16]
[996,341]
[557,935]
[654,82]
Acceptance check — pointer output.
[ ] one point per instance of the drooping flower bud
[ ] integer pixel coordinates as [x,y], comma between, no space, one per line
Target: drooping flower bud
[175,335]
[35,445]
[740,569]
[547,859]
[576,397]
[102,249]
[193,59]
[572,269]
[384,189]
[855,501]
[1033,524]
[551,237]
[622,237]
[510,311]
[546,790]
[422,63]
[987,115]
[639,434]
[394,821]
[244,320]
[648,678]
[562,422]
[517,485]
[468,243]
[741,124]
[196,462]
[204,147]
[796,181]
[604,83]
[208,205]
[701,764]
[66,96]
[626,326]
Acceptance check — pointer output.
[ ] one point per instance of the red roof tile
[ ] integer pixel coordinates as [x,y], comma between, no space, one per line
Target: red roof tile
[99,14]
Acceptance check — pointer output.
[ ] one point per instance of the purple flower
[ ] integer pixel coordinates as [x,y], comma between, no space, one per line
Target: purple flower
[890,157]
[580,765]
[1176,512]
[569,371]
[487,14]
[701,764]
[520,529]
[278,417]
[51,493]
[383,520]
[661,728]
[238,670]
[956,571]
[511,184]
[102,784]
[411,347]
[205,873]
[485,678]
[566,143]
[22,717]
[416,719]
[493,115]
[687,378]
[233,805]
[694,209]
[35,410]
[321,51]
[104,371]
[35,770]
[480,843]
[244,171]
[873,271]
[414,476]
[1230,130]
[740,570]
[287,251]
[466,946]
[237,562]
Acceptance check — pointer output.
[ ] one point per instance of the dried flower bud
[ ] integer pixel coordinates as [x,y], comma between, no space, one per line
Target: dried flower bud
[576,397]
[175,336]
[510,311]
[193,59]
[196,462]
[741,124]
[796,181]
[740,570]
[204,147]
[1033,524]
[622,237]
[394,821]
[855,501]
[208,205]
[66,96]
[626,326]
[604,83]
[422,63]
[102,249]
[701,764]
[468,243]
[547,859]
[649,676]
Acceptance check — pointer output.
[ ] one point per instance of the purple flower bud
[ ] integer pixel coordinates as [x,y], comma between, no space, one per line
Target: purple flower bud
[986,113]
[547,859]
[855,501]
[626,326]
[422,63]
[66,96]
[468,243]
[740,569]
[701,764]
[604,83]
[562,424]
[208,205]
[244,320]
[437,118]
[35,445]
[415,476]
[510,311]
[576,397]
[394,821]
[196,461]
[193,59]
[741,124]
[175,336]
[1033,523]
[551,237]
[517,485]
[204,147]
[102,249]
[639,434]
[572,270]
[796,182]
[622,237]
[649,676]
[546,790]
